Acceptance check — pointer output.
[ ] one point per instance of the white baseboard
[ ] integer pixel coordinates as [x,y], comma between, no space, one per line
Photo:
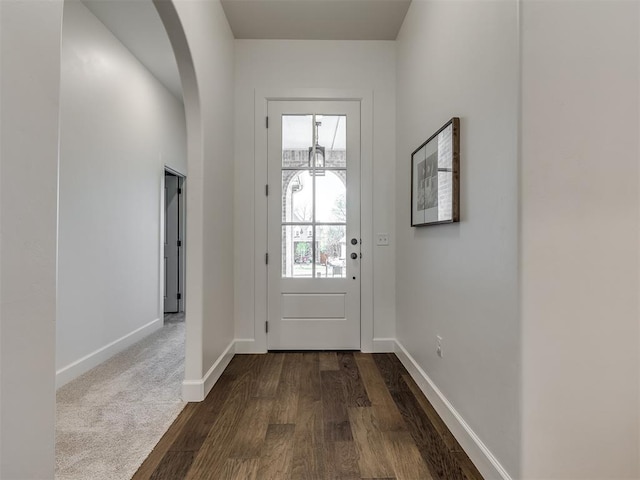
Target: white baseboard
[384,345]
[86,363]
[197,390]
[478,452]
[247,345]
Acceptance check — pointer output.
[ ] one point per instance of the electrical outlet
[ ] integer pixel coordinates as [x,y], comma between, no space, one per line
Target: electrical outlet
[382,239]
[439,345]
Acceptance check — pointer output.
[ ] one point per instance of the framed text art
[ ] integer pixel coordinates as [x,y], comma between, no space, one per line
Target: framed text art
[435,178]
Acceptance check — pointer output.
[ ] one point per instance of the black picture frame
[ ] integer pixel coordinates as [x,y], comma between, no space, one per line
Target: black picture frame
[435,178]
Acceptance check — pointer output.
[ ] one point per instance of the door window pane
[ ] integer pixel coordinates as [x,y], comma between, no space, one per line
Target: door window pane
[332,135]
[297,140]
[297,251]
[331,253]
[297,199]
[331,191]
[297,137]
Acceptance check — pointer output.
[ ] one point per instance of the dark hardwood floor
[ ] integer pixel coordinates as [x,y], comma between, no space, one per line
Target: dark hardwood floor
[316,415]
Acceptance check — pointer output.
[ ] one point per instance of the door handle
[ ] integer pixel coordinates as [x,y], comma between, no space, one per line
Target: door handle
[354,255]
[354,241]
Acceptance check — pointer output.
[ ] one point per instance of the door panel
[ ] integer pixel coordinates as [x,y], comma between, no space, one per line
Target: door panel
[313,215]
[313,305]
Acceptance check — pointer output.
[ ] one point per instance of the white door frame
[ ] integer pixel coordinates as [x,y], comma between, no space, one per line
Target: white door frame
[182,184]
[262,97]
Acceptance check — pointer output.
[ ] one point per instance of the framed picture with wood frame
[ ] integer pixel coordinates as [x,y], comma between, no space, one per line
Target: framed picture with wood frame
[435,178]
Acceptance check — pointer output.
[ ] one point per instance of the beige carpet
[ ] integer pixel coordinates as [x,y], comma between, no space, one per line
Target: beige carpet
[109,419]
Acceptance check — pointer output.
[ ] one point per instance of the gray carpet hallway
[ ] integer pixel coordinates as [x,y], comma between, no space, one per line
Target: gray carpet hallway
[109,419]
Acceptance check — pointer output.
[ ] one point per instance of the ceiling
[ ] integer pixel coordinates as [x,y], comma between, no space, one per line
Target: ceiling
[316,19]
[138,26]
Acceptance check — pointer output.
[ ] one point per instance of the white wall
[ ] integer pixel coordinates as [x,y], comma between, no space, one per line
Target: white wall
[205,62]
[460,281]
[279,65]
[119,127]
[30,81]
[580,239]
[30,55]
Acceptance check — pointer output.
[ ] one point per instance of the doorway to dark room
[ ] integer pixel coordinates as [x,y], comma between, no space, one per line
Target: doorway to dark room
[174,246]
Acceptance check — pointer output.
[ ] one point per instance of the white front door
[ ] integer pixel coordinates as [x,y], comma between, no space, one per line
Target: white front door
[314,225]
